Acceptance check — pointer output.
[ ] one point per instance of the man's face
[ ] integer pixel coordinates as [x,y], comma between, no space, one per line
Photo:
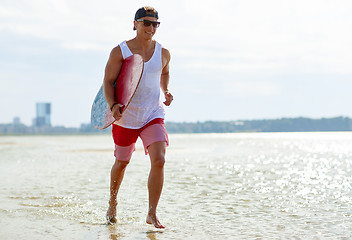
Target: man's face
[146,26]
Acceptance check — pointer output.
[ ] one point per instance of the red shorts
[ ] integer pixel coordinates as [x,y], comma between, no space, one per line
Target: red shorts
[125,138]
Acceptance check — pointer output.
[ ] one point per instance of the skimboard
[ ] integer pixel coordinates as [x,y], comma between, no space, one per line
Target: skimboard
[125,86]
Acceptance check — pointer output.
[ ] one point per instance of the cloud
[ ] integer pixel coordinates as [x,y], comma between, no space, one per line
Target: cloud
[251,88]
[242,46]
[31,73]
[287,34]
[303,36]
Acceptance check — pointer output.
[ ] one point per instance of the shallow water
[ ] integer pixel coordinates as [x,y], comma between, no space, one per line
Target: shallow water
[217,186]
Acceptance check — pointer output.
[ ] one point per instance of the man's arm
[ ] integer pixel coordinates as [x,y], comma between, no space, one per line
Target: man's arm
[112,71]
[165,76]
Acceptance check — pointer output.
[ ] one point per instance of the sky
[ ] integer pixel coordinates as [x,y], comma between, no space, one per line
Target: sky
[230,59]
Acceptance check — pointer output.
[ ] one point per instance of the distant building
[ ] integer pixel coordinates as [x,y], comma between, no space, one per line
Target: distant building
[43,115]
[16,121]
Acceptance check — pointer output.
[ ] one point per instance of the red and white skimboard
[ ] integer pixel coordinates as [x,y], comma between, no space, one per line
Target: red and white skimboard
[125,87]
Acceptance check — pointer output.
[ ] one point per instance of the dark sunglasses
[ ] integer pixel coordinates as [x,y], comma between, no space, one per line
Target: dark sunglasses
[147,23]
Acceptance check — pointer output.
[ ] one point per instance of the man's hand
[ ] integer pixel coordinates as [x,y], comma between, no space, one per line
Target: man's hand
[168,98]
[116,111]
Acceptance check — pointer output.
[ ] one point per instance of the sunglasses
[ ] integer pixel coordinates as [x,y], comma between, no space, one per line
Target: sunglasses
[147,23]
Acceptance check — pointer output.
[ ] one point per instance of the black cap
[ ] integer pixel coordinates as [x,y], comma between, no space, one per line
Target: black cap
[146,12]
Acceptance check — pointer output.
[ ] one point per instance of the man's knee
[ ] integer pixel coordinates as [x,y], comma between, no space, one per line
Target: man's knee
[157,154]
[121,165]
[158,161]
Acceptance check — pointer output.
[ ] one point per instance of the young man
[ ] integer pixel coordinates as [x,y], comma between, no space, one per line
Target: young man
[144,116]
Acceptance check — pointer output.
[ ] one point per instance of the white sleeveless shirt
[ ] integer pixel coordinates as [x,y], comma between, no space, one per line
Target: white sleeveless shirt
[146,104]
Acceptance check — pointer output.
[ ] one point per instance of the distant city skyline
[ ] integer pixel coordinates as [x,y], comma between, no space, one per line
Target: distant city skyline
[233,60]
[266,125]
[42,116]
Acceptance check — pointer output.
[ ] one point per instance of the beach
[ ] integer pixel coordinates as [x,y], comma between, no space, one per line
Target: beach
[217,186]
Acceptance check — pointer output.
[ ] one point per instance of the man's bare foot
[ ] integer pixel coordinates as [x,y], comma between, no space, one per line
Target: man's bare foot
[152,219]
[111,213]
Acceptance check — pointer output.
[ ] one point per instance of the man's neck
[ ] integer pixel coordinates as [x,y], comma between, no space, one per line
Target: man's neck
[144,44]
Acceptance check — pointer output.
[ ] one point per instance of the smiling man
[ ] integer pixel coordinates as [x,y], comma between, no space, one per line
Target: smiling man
[144,116]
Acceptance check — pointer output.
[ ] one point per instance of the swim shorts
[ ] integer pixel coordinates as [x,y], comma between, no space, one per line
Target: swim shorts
[125,138]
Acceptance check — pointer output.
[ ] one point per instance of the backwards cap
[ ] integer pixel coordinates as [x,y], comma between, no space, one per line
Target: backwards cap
[146,12]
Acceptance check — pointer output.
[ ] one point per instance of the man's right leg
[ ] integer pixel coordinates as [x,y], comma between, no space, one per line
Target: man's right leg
[117,173]
[124,140]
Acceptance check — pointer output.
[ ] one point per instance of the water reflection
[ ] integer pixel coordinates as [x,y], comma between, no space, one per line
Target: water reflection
[217,186]
[114,233]
[153,235]
[118,232]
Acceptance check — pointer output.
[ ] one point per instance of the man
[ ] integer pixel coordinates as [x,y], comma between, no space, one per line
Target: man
[144,116]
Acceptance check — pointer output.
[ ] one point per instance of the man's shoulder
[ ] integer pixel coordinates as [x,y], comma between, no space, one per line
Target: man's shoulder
[116,50]
[116,53]
[162,46]
[165,53]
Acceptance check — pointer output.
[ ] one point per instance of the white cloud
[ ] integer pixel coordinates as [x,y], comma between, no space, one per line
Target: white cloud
[308,36]
[270,32]
[223,40]
[251,88]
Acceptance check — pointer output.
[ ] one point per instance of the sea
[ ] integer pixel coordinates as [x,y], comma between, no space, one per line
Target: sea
[217,186]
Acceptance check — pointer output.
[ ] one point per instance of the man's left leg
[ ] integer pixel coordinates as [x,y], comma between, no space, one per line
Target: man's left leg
[156,180]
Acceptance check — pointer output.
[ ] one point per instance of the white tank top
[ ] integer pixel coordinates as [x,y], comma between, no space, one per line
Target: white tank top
[146,104]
